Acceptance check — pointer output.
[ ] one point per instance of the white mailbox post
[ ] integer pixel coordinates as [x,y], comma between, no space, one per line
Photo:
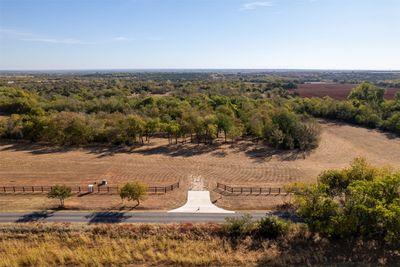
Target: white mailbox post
[90,188]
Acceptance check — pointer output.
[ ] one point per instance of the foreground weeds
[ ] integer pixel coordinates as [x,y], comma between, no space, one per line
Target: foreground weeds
[182,245]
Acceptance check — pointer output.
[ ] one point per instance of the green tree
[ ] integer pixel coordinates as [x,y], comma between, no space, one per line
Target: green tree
[367,92]
[361,200]
[236,131]
[135,191]
[373,208]
[152,126]
[60,192]
[173,129]
[135,128]
[397,96]
[336,181]
[225,119]
[319,211]
[77,131]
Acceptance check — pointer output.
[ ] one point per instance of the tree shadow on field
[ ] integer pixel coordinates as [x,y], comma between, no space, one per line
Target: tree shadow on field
[262,153]
[108,217]
[179,150]
[259,152]
[33,148]
[35,216]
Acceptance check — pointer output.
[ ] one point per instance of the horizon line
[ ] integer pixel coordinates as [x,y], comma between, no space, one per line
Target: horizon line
[195,69]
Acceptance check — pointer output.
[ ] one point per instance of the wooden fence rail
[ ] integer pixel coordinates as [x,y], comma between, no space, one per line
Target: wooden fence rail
[238,190]
[84,189]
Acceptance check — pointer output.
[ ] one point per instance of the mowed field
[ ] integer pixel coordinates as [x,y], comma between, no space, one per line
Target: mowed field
[156,163]
[334,90]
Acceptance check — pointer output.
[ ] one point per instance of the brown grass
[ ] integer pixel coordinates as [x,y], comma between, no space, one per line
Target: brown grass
[176,245]
[246,164]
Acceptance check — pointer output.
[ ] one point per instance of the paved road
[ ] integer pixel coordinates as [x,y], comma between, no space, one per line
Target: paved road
[119,217]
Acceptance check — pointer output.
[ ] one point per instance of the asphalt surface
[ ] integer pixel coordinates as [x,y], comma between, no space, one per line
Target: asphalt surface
[122,217]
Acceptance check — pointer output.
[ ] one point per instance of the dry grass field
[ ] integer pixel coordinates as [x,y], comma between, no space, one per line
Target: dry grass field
[335,90]
[37,244]
[157,163]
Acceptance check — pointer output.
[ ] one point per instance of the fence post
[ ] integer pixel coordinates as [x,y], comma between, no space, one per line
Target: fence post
[269,191]
[260,190]
[241,190]
[279,191]
[33,189]
[41,188]
[4,189]
[165,190]
[225,187]
[23,189]
[108,189]
[14,188]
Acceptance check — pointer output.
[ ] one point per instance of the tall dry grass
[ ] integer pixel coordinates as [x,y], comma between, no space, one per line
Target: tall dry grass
[36,244]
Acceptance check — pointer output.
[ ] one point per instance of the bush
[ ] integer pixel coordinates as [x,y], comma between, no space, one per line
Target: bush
[272,227]
[240,226]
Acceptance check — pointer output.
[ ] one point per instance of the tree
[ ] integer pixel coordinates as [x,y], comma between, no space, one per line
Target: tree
[225,119]
[173,129]
[136,191]
[77,132]
[317,208]
[307,134]
[61,192]
[361,200]
[397,96]
[235,131]
[367,92]
[152,126]
[336,181]
[373,208]
[135,127]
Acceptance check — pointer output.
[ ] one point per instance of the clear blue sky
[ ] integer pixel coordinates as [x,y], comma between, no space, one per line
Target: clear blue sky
[104,34]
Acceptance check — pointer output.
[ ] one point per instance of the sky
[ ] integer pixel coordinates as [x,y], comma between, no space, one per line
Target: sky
[194,34]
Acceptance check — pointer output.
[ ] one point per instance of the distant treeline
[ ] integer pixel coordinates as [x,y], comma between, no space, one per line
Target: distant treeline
[76,111]
[365,106]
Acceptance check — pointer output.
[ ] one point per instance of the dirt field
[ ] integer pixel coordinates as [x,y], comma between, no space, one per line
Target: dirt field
[159,164]
[334,90]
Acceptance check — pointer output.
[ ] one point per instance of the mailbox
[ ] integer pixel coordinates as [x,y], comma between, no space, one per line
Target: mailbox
[90,188]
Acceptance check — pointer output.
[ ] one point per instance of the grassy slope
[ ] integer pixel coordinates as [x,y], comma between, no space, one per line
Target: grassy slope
[185,244]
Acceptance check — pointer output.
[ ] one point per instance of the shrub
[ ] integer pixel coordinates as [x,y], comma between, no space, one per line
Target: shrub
[240,226]
[272,227]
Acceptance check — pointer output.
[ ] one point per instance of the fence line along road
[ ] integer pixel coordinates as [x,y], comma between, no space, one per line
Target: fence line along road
[239,190]
[113,190]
